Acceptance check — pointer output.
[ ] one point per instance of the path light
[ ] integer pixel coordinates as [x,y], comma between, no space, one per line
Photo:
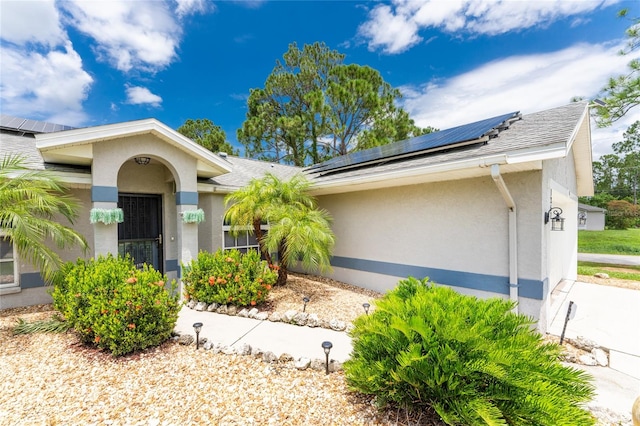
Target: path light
[327,348]
[366,307]
[305,300]
[197,327]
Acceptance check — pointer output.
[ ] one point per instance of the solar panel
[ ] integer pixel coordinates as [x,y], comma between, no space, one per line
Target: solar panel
[431,142]
[30,126]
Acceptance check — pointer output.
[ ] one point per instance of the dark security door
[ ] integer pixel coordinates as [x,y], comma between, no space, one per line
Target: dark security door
[140,235]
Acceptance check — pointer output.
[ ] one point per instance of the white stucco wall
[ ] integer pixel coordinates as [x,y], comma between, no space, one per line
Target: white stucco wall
[210,232]
[457,227]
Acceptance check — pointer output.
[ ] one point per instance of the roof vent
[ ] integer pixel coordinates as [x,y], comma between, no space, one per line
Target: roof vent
[222,154]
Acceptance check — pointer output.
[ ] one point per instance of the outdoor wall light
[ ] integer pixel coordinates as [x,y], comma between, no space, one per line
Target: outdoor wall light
[557,221]
[327,348]
[366,307]
[305,300]
[143,161]
[582,218]
[197,327]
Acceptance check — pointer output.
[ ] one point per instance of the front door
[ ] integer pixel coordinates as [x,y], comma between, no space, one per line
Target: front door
[140,235]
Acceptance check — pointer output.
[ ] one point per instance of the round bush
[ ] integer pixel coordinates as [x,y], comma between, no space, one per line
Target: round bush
[473,361]
[115,306]
[229,277]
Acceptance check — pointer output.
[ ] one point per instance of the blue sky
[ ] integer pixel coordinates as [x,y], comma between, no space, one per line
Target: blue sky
[86,63]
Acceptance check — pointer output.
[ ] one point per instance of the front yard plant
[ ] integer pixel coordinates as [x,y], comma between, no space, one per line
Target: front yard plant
[115,306]
[473,361]
[229,277]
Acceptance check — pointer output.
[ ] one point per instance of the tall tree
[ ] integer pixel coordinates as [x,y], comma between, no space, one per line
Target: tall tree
[30,203]
[622,93]
[618,174]
[203,132]
[314,107]
[298,230]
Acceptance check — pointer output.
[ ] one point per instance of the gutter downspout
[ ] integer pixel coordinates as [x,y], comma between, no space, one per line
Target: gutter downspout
[513,233]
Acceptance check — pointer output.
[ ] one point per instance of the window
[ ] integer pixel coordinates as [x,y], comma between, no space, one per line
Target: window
[7,263]
[243,240]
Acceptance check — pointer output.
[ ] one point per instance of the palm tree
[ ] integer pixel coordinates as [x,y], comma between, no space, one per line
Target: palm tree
[30,201]
[298,230]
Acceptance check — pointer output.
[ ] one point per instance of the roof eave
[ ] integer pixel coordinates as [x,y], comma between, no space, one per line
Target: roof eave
[71,145]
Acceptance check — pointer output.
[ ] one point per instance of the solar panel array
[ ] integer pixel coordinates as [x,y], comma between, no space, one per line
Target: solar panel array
[30,126]
[436,141]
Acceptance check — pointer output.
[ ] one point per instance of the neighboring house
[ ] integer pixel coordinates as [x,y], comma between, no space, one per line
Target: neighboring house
[591,218]
[465,206]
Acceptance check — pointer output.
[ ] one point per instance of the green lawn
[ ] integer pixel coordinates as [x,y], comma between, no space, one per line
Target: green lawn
[610,242]
[621,272]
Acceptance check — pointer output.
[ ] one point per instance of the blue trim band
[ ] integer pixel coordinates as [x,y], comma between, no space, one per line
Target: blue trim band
[31,280]
[107,194]
[171,265]
[532,289]
[185,197]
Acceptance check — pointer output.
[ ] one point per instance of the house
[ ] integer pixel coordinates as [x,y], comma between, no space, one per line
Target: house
[591,218]
[471,207]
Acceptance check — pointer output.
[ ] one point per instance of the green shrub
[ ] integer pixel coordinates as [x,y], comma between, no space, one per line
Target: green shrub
[115,306]
[472,360]
[229,277]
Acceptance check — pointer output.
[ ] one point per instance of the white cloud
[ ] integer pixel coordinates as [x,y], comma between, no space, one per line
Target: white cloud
[521,83]
[23,22]
[137,95]
[129,34]
[395,28]
[191,7]
[50,86]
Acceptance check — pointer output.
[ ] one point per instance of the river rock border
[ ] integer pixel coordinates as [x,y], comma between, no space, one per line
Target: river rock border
[285,360]
[294,317]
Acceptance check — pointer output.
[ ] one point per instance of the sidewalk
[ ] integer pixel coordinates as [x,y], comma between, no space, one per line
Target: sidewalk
[609,316]
[614,259]
[276,337]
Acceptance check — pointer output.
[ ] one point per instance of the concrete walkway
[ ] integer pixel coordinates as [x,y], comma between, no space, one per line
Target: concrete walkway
[276,337]
[614,259]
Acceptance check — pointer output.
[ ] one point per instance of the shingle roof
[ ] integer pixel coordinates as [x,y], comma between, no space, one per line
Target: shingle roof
[589,208]
[534,130]
[245,169]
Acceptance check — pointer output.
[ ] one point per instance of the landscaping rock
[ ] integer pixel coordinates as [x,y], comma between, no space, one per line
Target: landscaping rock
[256,351]
[244,313]
[601,357]
[302,363]
[186,339]
[207,346]
[285,357]
[288,316]
[313,320]
[244,349]
[601,275]
[262,316]
[229,350]
[212,307]
[337,325]
[585,344]
[300,318]
[201,306]
[191,304]
[232,310]
[222,309]
[275,317]
[587,359]
[334,366]
[269,357]
[253,312]
[317,364]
